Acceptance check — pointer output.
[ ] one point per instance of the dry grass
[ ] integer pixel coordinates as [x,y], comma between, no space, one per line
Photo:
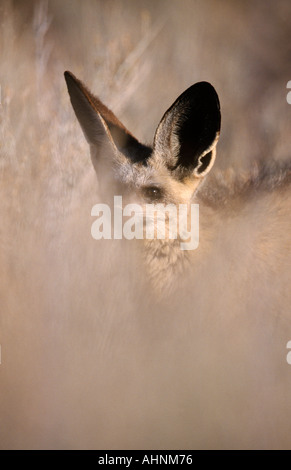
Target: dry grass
[89,360]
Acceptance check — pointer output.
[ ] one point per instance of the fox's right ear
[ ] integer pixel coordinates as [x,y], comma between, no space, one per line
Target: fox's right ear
[98,123]
[188,132]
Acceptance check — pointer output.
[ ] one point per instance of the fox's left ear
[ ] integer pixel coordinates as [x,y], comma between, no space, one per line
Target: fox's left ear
[99,124]
[189,130]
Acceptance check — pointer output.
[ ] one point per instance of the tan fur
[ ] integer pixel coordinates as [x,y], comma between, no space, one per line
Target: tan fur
[222,201]
[119,169]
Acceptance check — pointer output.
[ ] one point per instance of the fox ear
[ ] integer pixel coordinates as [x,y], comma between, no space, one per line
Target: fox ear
[98,123]
[188,132]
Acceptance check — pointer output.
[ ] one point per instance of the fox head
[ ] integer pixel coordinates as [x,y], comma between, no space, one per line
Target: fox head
[183,150]
[167,174]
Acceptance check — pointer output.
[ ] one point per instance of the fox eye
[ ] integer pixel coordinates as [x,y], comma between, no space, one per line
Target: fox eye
[153,193]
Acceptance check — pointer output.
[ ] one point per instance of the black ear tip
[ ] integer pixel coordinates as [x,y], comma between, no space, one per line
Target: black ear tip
[206,90]
[201,94]
[69,77]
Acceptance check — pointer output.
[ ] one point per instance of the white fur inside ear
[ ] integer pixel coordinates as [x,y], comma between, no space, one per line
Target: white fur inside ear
[175,145]
[211,149]
[107,133]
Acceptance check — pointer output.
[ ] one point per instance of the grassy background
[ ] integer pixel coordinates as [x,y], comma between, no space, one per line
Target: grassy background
[86,362]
